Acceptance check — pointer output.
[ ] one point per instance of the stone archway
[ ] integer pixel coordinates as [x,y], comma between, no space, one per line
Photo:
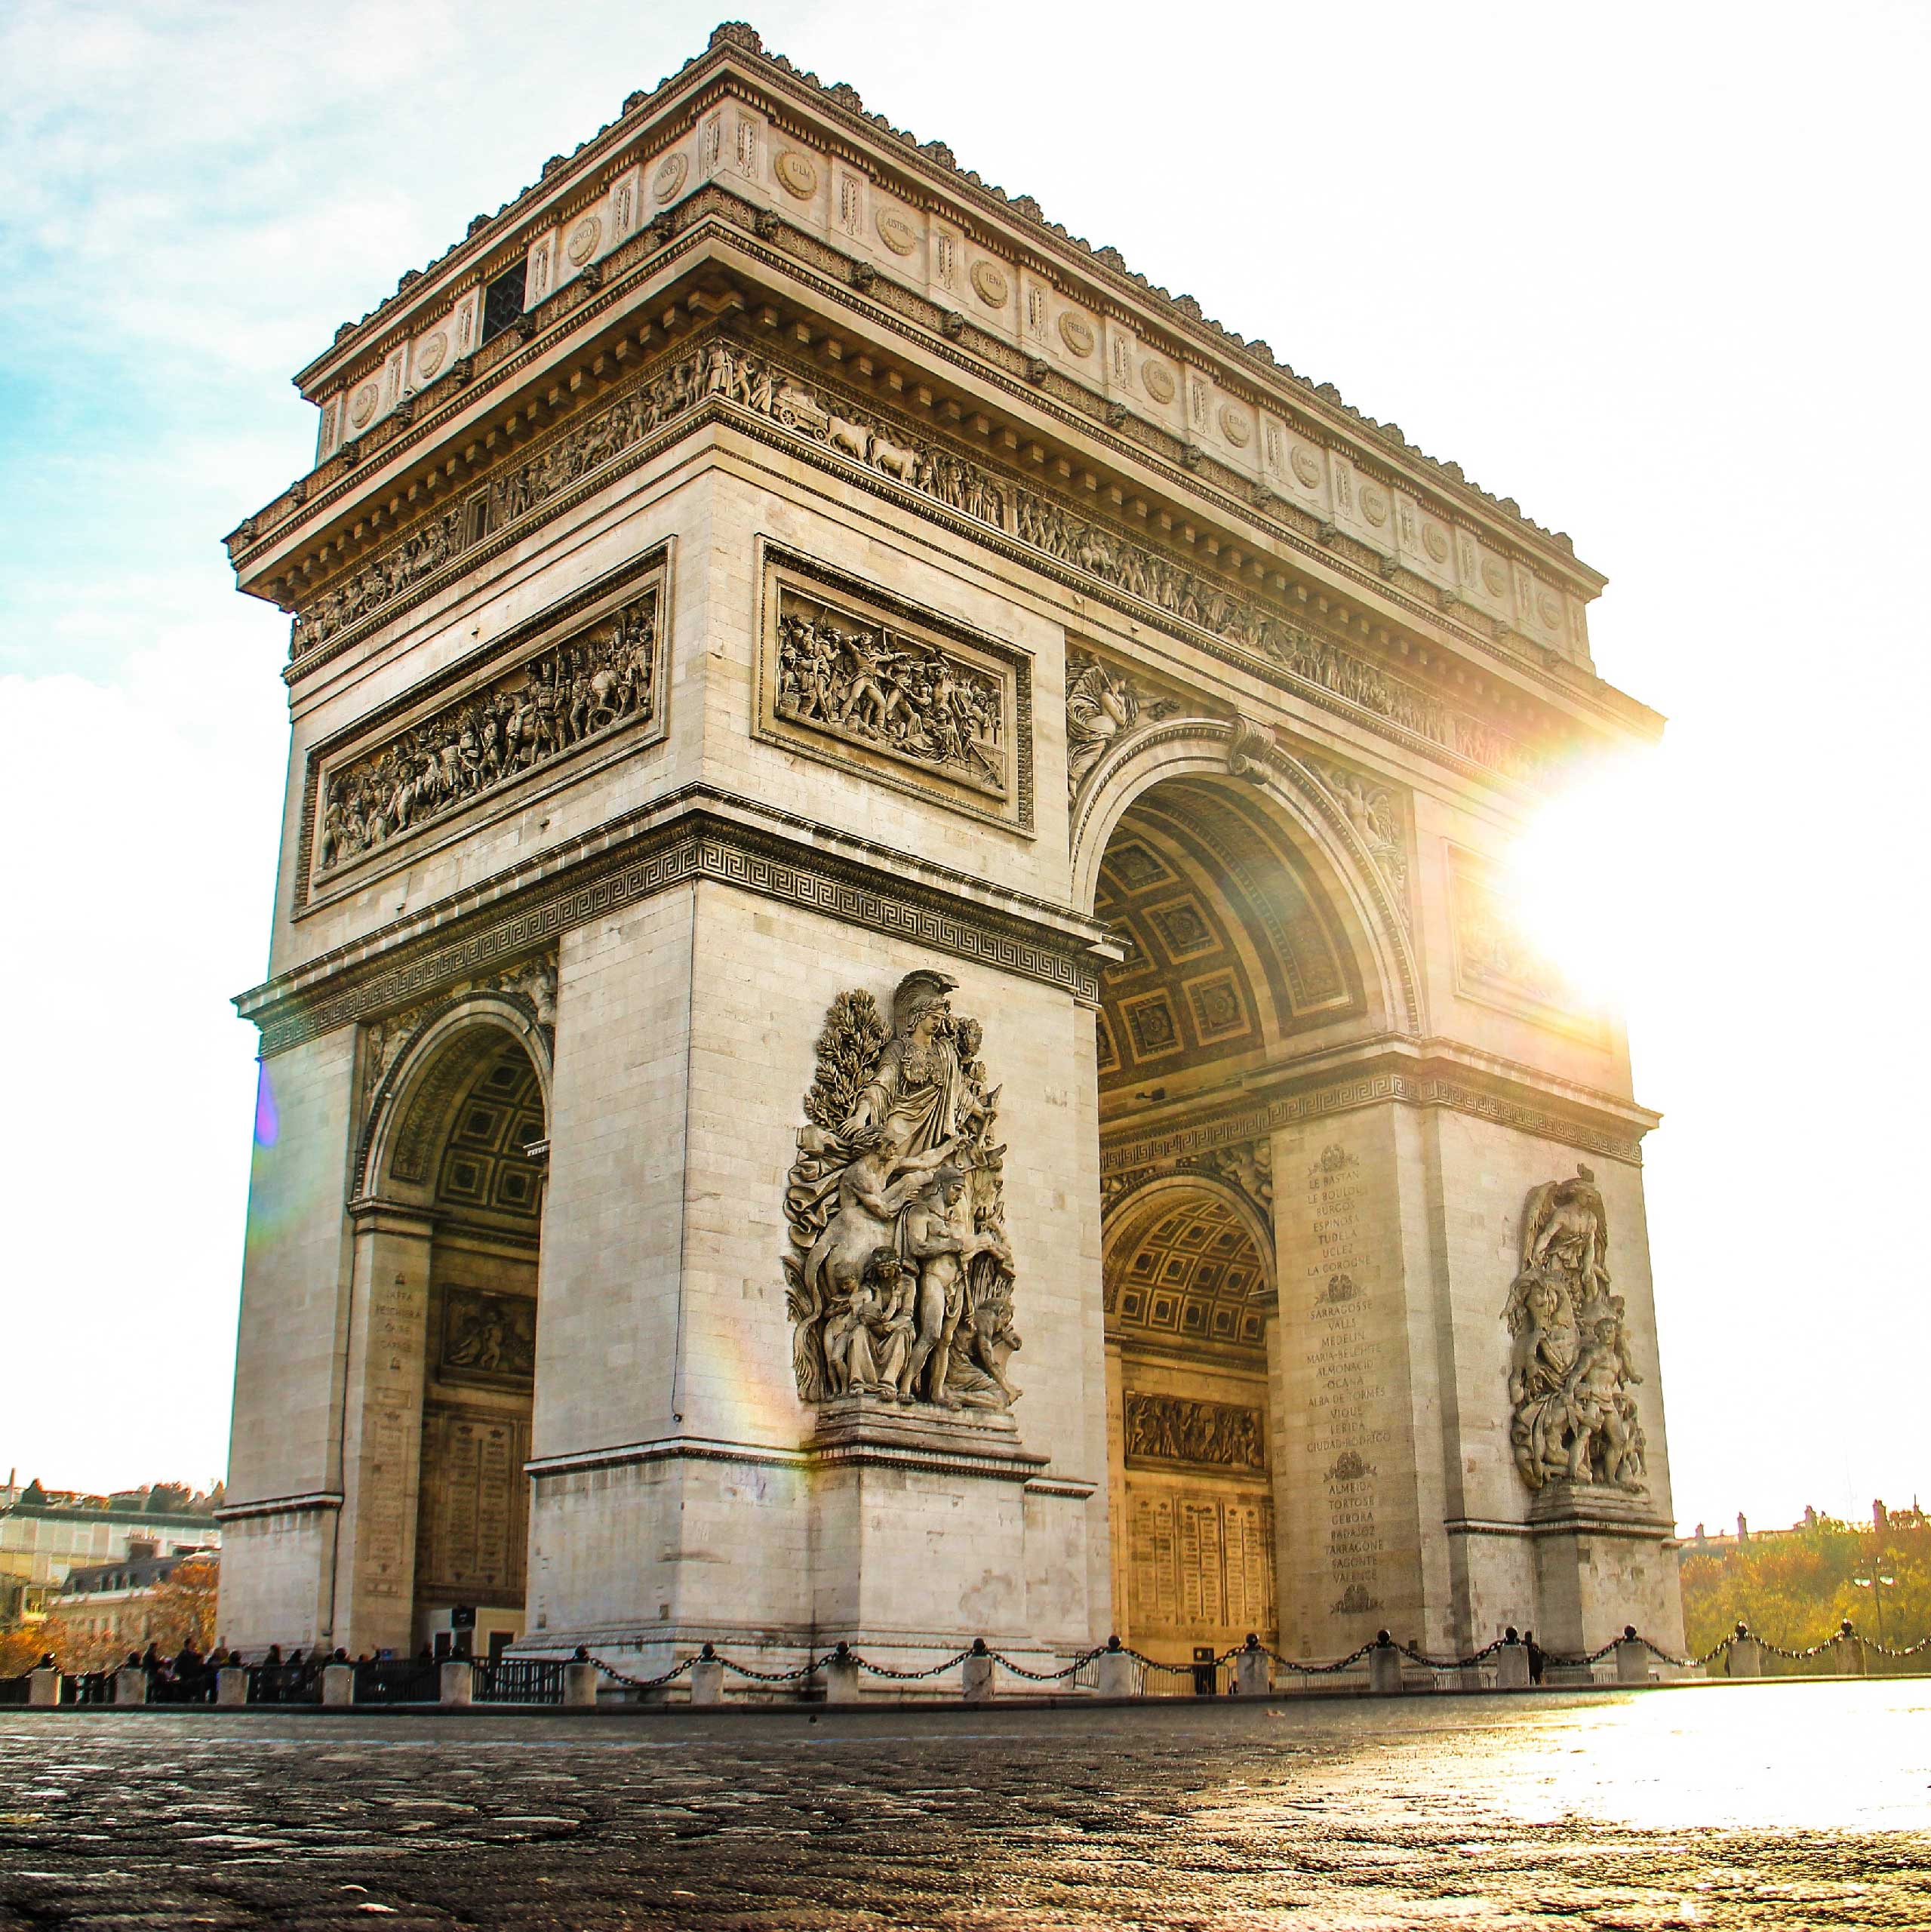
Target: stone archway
[1258,932]
[441,1375]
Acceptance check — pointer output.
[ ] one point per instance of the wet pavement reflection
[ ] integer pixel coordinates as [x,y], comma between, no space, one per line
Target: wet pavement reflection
[1784,1805]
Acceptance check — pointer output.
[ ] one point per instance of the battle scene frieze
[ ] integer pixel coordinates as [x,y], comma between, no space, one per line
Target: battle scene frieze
[596,676]
[861,679]
[1172,1428]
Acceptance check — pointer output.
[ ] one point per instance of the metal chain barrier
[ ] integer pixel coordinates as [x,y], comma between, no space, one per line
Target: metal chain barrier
[843,1653]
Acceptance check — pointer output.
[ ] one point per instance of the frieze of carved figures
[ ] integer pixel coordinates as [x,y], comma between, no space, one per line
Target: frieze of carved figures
[1103,707]
[1171,1429]
[1239,621]
[890,692]
[724,371]
[1569,1373]
[721,371]
[602,677]
[898,1277]
[489,1337]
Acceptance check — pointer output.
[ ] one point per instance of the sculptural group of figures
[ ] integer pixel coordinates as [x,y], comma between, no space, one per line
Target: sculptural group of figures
[1569,1374]
[883,688]
[899,1277]
[571,692]
[1172,1428]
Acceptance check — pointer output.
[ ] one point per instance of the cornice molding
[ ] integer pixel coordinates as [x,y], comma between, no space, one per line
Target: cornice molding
[696,835]
[1157,584]
[1392,1070]
[929,176]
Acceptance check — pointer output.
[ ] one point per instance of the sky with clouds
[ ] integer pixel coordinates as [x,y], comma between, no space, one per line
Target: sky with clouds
[1653,271]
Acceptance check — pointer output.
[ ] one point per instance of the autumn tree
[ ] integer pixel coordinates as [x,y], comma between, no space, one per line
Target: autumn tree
[1794,1589]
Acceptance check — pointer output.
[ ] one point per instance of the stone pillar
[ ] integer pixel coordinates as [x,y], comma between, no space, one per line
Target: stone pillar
[1632,1657]
[841,1679]
[458,1685]
[978,1685]
[338,1684]
[707,1680]
[231,1685]
[1385,1668]
[43,1687]
[579,1684]
[1251,1674]
[1746,1655]
[382,1437]
[131,1685]
[1113,1671]
[1359,1469]
[1511,1665]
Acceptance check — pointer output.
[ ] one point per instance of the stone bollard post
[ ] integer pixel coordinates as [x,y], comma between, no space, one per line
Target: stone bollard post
[458,1684]
[1850,1650]
[1746,1655]
[841,1676]
[979,1687]
[131,1685]
[1251,1677]
[1512,1662]
[707,1677]
[1113,1673]
[338,1684]
[1385,1667]
[43,1687]
[231,1685]
[1632,1657]
[580,1682]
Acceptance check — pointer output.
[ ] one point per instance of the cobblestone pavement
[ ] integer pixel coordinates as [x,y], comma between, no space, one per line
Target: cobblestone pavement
[1781,1804]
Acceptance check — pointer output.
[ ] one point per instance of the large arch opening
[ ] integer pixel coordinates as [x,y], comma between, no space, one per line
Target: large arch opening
[1245,947]
[457,1163]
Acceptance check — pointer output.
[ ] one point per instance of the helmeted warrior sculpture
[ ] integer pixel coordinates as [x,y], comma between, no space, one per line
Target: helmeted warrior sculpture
[899,1277]
[1569,1373]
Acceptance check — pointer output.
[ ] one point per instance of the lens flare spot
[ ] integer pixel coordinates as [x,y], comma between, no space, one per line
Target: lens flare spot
[1581,879]
[267,1122]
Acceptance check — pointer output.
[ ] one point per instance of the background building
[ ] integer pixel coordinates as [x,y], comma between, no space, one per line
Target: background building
[103,1610]
[44,1535]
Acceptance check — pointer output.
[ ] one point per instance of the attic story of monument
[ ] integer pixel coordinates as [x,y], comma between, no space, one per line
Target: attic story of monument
[892,1013]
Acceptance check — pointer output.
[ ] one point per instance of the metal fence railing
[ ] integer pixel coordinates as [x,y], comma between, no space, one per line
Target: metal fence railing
[519,1681]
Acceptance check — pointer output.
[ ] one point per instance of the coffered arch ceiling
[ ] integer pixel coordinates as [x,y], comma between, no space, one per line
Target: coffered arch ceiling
[1183,1267]
[484,1170]
[1232,948]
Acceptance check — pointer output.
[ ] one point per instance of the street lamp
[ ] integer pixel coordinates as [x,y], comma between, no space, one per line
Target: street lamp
[1877,1584]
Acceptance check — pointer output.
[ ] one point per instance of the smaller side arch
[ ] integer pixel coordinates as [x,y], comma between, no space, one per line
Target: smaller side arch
[1169,1211]
[410,1112]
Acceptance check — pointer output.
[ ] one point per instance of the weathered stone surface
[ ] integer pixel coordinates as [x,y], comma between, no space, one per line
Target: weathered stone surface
[1637,1808]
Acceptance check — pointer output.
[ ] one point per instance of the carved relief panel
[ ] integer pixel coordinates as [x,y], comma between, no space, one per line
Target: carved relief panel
[852,676]
[555,697]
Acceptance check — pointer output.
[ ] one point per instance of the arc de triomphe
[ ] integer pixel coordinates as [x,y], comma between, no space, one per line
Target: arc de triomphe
[893,1014]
